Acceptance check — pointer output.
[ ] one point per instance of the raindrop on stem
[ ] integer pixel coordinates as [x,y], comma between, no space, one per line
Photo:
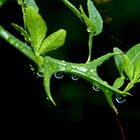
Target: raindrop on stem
[39,74]
[74,77]
[59,75]
[120,99]
[96,88]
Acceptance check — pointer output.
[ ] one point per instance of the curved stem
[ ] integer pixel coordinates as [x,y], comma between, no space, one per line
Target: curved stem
[120,127]
[86,71]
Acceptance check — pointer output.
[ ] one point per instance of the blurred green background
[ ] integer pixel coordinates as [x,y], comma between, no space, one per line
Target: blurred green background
[80,110]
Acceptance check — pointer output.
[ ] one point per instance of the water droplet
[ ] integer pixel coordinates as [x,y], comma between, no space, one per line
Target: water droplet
[47,98]
[120,99]
[96,88]
[39,74]
[68,68]
[59,75]
[127,79]
[74,77]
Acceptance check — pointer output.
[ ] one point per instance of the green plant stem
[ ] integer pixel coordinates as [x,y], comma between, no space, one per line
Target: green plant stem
[90,42]
[22,47]
[85,71]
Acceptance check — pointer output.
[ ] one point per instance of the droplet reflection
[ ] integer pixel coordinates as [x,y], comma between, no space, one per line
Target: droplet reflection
[96,88]
[59,75]
[120,99]
[39,74]
[74,77]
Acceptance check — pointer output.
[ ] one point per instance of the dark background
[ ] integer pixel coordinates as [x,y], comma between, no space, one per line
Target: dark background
[80,112]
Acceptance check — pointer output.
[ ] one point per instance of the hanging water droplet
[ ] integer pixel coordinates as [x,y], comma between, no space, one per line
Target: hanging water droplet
[74,77]
[120,99]
[59,75]
[39,74]
[96,88]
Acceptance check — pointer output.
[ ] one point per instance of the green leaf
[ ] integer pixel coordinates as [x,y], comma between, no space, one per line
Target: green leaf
[137,70]
[2,2]
[134,55]
[21,2]
[95,17]
[32,4]
[88,22]
[128,67]
[23,32]
[118,82]
[28,3]
[118,60]
[53,41]
[36,27]
[138,81]
[129,86]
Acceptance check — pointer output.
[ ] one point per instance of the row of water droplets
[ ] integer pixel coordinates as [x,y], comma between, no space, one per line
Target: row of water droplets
[59,75]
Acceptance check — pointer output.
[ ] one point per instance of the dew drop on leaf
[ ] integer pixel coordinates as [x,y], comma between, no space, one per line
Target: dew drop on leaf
[96,88]
[120,99]
[59,75]
[74,77]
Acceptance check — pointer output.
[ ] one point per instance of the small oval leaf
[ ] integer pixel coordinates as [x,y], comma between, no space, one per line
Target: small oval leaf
[95,17]
[54,41]
[128,67]
[118,82]
[134,53]
[32,4]
[36,27]
[128,87]
[118,59]
[137,70]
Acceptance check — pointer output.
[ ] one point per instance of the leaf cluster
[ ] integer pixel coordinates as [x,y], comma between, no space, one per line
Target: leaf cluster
[37,44]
